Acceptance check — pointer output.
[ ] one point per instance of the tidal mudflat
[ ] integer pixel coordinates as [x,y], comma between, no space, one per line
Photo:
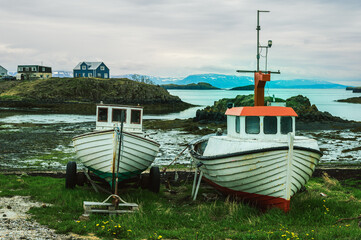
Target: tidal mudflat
[48,146]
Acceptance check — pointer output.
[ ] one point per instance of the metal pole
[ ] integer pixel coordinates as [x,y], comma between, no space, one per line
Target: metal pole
[258,28]
[119,155]
[258,45]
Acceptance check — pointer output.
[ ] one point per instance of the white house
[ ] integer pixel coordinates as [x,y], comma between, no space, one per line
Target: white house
[3,71]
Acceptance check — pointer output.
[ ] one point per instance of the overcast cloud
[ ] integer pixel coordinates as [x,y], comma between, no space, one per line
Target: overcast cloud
[312,39]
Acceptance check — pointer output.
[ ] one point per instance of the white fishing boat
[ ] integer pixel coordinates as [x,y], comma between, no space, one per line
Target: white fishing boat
[260,160]
[115,141]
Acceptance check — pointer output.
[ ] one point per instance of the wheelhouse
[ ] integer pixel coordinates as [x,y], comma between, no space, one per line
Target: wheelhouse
[260,122]
[109,116]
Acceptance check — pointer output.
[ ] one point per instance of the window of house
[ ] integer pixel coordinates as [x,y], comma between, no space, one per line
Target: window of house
[270,125]
[83,67]
[117,115]
[20,69]
[33,69]
[102,114]
[135,116]
[252,125]
[83,74]
[27,69]
[286,125]
[238,124]
[90,74]
[102,68]
[99,74]
[43,69]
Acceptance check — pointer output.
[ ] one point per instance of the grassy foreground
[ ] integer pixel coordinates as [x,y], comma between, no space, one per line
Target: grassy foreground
[175,216]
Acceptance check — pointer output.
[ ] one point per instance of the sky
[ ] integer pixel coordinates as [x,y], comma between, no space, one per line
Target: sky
[312,39]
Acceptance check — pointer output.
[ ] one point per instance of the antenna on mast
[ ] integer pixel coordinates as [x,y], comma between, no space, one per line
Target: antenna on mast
[260,78]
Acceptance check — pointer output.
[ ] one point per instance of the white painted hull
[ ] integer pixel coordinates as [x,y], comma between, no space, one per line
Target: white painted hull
[96,150]
[262,174]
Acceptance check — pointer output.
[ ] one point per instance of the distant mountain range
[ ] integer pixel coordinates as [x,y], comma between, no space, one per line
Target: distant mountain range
[216,80]
[230,81]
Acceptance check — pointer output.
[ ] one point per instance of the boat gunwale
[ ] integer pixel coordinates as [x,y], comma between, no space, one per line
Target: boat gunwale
[195,154]
[112,130]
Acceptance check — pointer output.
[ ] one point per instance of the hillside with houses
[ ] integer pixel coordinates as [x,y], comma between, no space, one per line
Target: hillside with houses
[72,94]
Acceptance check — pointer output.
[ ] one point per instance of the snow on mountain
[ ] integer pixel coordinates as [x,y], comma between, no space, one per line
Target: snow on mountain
[230,81]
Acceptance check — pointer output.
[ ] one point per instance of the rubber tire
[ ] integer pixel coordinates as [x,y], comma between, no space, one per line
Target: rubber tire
[154,179]
[70,177]
[80,179]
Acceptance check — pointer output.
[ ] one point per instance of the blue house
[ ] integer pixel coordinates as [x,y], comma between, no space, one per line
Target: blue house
[91,69]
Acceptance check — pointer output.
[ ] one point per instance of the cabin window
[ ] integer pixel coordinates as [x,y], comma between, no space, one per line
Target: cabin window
[135,116]
[102,68]
[252,125]
[286,125]
[238,124]
[83,67]
[90,74]
[27,69]
[99,74]
[117,115]
[33,69]
[102,114]
[270,125]
[43,69]
[20,69]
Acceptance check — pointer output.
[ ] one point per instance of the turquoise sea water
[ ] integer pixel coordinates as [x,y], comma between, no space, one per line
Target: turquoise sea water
[324,99]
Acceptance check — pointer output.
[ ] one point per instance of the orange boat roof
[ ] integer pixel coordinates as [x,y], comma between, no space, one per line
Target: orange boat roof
[261,111]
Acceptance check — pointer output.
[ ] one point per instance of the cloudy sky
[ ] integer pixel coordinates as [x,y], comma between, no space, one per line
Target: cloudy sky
[312,39]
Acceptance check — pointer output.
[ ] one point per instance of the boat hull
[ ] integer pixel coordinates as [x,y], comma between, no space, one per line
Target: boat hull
[98,152]
[266,177]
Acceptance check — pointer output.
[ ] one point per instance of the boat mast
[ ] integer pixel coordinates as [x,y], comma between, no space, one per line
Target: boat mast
[258,44]
[260,78]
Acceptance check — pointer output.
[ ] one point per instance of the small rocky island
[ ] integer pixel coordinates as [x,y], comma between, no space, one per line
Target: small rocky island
[247,87]
[354,89]
[79,95]
[193,86]
[307,112]
[351,100]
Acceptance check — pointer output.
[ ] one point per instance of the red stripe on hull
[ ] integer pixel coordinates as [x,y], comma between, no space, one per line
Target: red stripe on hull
[262,201]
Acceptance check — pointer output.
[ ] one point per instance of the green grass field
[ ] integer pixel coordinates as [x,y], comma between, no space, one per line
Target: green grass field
[176,216]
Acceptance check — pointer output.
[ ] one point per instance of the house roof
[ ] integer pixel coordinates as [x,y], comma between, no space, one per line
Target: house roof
[91,65]
[261,111]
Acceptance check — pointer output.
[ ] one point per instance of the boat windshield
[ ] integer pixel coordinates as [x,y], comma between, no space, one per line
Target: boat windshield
[117,115]
[270,125]
[103,114]
[252,125]
[286,125]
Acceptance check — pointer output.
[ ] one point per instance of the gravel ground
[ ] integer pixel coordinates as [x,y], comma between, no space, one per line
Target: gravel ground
[15,223]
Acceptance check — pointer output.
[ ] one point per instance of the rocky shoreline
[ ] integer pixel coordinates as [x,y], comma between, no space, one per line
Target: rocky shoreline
[15,223]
